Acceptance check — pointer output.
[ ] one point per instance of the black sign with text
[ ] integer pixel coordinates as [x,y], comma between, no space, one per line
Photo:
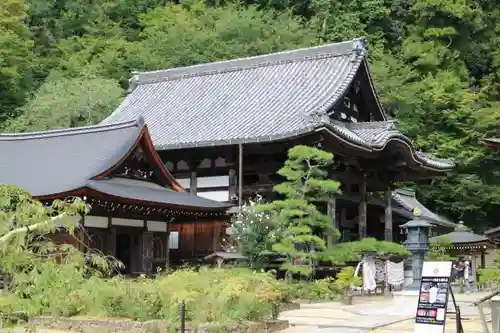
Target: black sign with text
[433,298]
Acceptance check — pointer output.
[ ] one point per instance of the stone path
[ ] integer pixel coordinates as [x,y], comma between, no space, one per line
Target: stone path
[376,314]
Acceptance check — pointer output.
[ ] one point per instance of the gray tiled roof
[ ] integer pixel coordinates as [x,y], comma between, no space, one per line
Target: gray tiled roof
[154,194]
[252,99]
[59,161]
[462,235]
[256,99]
[374,136]
[492,231]
[52,162]
[406,200]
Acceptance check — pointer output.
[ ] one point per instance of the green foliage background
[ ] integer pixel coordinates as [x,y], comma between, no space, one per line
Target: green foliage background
[436,64]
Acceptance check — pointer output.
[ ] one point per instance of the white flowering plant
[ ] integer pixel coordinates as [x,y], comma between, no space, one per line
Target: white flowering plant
[253,233]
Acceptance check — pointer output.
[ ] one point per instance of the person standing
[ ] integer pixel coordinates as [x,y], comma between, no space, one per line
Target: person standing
[468,277]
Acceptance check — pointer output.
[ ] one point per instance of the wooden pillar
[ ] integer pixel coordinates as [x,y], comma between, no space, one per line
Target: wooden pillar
[233,184]
[193,188]
[147,252]
[331,210]
[167,252]
[362,208]
[388,215]
[111,248]
[483,259]
[240,175]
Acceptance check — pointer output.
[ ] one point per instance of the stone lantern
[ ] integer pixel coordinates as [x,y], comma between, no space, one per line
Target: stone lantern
[417,242]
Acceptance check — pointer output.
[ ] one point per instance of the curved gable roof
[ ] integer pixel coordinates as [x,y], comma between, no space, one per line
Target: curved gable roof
[58,161]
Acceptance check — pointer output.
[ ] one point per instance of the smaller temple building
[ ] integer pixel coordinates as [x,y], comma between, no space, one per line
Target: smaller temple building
[139,213]
[465,243]
[492,142]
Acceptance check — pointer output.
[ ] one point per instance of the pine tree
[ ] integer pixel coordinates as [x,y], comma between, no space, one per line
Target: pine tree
[298,219]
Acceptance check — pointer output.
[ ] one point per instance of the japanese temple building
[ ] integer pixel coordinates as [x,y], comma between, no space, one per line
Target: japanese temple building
[139,213]
[223,130]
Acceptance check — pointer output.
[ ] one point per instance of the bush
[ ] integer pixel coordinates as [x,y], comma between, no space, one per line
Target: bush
[324,289]
[210,295]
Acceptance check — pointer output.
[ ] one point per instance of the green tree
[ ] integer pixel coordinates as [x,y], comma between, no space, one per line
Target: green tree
[298,219]
[16,57]
[68,102]
[298,225]
[27,255]
[175,36]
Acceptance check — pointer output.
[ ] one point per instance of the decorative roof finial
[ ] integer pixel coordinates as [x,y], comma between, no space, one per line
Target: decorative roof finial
[133,82]
[461,227]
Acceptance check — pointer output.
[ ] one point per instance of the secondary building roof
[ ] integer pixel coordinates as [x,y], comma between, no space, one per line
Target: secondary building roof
[493,142]
[259,99]
[60,163]
[462,235]
[405,203]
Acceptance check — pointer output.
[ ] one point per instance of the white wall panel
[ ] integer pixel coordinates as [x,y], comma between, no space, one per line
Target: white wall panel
[127,222]
[157,226]
[95,221]
[215,195]
[216,181]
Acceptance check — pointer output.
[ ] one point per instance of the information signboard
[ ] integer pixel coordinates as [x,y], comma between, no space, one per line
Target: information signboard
[433,297]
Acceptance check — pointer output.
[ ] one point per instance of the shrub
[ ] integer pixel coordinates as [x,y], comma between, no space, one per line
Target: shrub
[324,289]
[210,295]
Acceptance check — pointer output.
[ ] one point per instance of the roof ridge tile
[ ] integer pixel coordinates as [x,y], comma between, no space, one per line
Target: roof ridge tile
[139,122]
[355,46]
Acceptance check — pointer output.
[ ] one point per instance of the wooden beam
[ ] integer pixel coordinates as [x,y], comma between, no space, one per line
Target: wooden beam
[193,187]
[233,184]
[240,175]
[362,209]
[331,210]
[167,252]
[388,215]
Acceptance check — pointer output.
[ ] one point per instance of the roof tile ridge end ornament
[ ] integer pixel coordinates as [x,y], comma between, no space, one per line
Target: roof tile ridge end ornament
[346,48]
[133,82]
[401,202]
[72,130]
[406,192]
[430,156]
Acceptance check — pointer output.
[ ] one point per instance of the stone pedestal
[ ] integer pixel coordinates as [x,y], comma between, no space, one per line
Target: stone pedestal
[417,242]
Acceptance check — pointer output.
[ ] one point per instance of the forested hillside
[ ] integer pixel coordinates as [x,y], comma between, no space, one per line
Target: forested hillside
[436,64]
